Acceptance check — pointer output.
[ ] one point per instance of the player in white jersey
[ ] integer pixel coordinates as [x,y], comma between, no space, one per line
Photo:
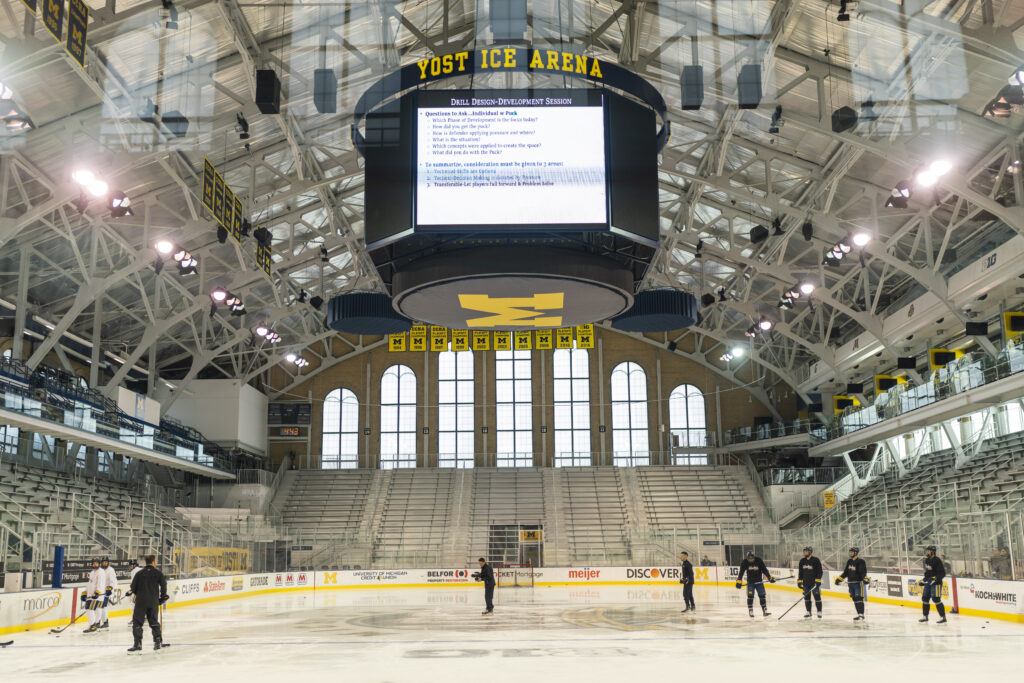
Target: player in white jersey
[134,564]
[109,584]
[92,596]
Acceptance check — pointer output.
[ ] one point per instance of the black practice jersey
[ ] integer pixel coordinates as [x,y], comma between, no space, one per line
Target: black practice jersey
[148,586]
[687,570]
[934,569]
[856,570]
[487,575]
[810,569]
[756,571]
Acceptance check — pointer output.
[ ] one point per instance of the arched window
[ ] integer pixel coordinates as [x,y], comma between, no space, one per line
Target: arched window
[571,374]
[688,423]
[513,423]
[630,442]
[455,426]
[398,418]
[340,441]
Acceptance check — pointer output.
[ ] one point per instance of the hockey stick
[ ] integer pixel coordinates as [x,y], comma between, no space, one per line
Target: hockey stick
[6,644]
[65,628]
[799,600]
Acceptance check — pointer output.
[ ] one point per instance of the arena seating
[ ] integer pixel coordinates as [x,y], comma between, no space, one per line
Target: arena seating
[693,496]
[333,501]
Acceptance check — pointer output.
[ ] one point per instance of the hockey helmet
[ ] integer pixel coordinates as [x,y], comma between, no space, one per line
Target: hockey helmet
[931,548]
[808,549]
[750,553]
[855,550]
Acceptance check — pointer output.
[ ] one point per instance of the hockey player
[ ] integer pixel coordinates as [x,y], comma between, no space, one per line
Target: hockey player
[756,573]
[150,590]
[486,574]
[934,572]
[687,580]
[809,579]
[92,596]
[109,584]
[855,575]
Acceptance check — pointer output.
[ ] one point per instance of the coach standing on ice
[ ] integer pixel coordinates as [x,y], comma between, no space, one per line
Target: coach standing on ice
[150,590]
[687,580]
[486,574]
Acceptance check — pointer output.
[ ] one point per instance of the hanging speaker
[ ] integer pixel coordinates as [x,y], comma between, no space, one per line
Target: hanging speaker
[758,233]
[976,329]
[325,91]
[748,86]
[268,91]
[691,85]
[906,363]
[844,119]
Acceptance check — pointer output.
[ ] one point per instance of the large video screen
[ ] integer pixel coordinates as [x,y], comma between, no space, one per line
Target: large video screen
[510,158]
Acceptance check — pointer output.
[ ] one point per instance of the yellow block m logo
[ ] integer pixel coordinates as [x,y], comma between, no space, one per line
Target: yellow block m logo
[700,573]
[331,578]
[521,311]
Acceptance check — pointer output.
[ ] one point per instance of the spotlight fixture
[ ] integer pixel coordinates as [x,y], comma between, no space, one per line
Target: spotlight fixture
[697,252]
[263,236]
[241,126]
[737,351]
[14,119]
[765,324]
[83,176]
[222,234]
[302,296]
[295,358]
[267,334]
[721,295]
[170,15]
[807,230]
[844,11]
[187,263]
[165,247]
[777,226]
[120,205]
[219,295]
[324,258]
[751,331]
[899,198]
[808,287]
[861,238]
[88,181]
[777,121]
[929,176]
[316,302]
[1007,101]
[726,357]
[246,227]
[98,188]
[707,299]
[290,357]
[301,362]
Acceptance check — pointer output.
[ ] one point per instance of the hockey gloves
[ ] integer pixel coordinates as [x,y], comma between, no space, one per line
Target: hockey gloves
[164,598]
[84,597]
[799,583]
[839,580]
[110,591]
[771,579]
[739,584]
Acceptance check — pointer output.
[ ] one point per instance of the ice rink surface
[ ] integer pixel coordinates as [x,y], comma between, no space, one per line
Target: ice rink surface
[621,634]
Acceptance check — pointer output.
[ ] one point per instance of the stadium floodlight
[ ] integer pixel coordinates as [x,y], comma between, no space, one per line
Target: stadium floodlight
[765,324]
[262,330]
[83,176]
[737,351]
[726,357]
[291,357]
[164,247]
[219,295]
[808,287]
[941,167]
[899,196]
[861,238]
[98,188]
[845,246]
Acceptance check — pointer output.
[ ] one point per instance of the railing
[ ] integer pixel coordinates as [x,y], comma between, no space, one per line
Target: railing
[774,430]
[777,476]
[968,372]
[89,411]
